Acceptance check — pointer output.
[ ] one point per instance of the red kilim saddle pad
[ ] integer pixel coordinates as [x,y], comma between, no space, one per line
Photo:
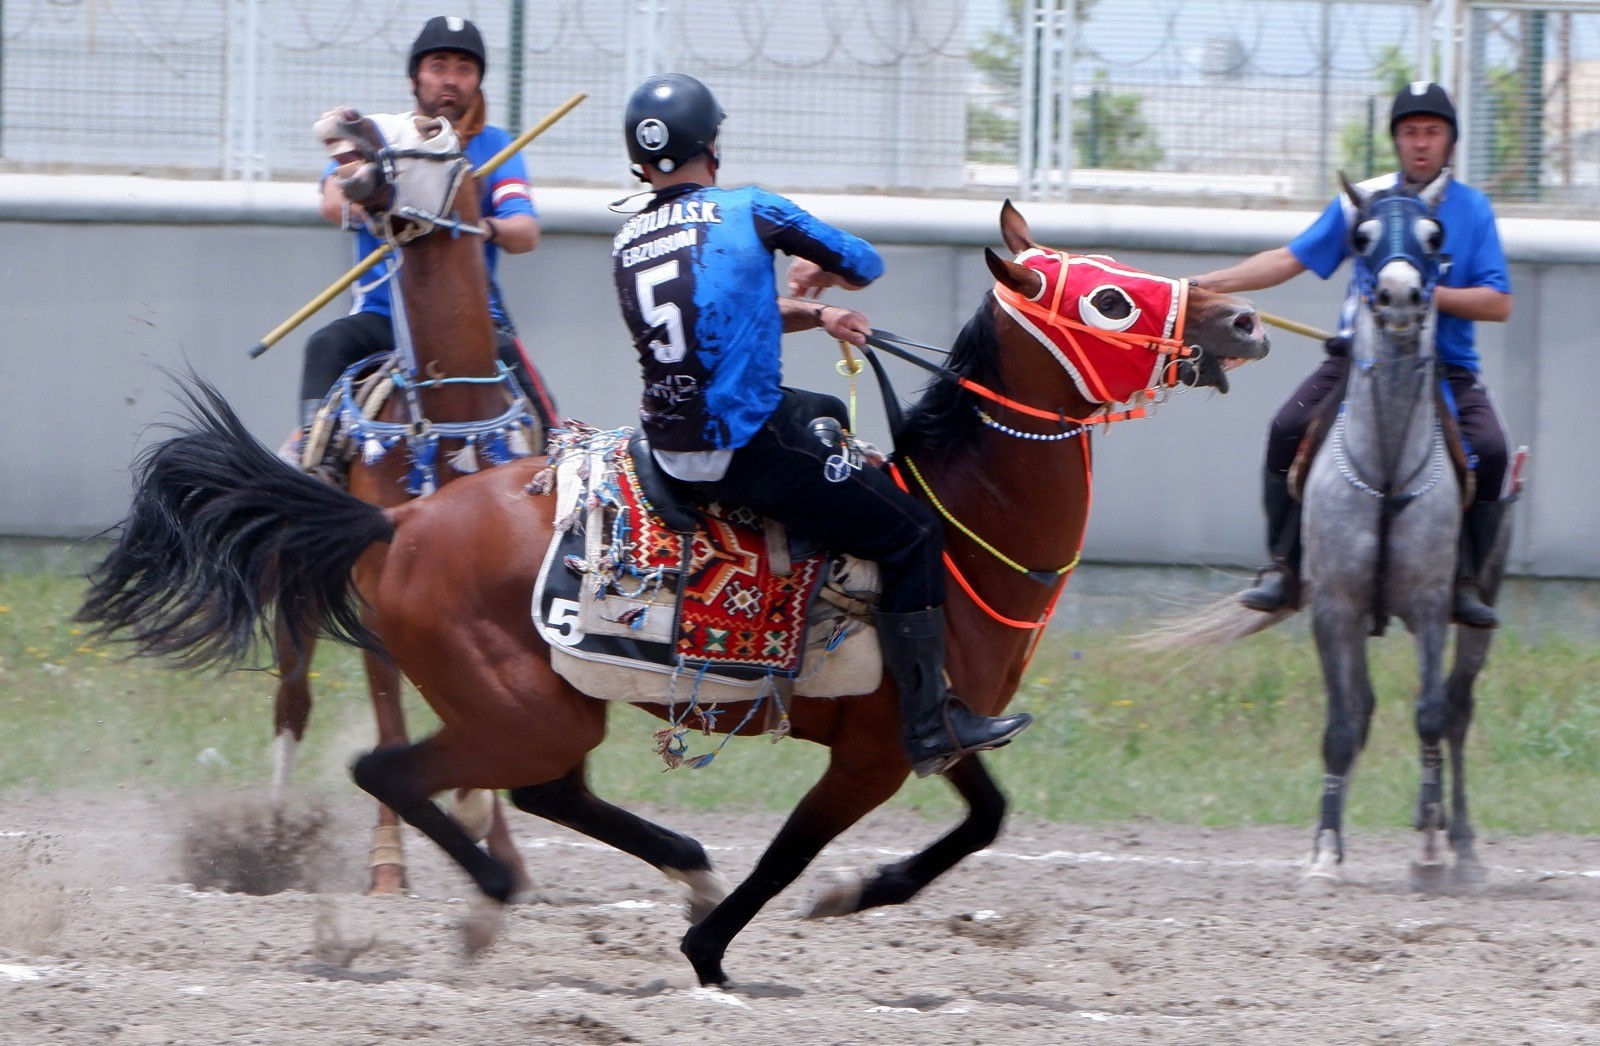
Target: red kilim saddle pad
[735,610]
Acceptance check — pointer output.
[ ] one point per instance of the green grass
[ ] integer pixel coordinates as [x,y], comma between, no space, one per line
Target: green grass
[1227,737]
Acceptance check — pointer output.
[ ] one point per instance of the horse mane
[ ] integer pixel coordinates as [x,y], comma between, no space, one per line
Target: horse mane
[943,421]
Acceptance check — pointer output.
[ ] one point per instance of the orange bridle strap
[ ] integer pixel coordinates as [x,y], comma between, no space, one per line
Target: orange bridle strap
[1098,418]
[1062,573]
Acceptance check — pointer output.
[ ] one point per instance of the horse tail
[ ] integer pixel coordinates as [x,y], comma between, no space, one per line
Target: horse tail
[221,534]
[1217,623]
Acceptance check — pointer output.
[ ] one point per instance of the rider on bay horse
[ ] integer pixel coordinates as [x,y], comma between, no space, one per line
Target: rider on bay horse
[446,66]
[1422,122]
[694,277]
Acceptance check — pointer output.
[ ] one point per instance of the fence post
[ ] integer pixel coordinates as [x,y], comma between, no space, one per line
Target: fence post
[1028,104]
[515,54]
[2,78]
[1372,130]
[241,113]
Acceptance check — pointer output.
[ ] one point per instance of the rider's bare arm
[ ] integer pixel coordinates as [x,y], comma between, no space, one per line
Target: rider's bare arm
[1474,303]
[836,320]
[1255,273]
[807,279]
[516,234]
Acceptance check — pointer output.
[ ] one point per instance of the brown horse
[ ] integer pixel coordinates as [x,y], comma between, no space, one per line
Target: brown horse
[444,284]
[999,439]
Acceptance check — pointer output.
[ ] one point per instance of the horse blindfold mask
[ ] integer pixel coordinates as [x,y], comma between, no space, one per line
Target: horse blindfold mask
[1113,329]
[1396,227]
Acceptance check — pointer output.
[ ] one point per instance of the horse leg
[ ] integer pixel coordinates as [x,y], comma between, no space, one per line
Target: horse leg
[1433,718]
[1342,650]
[568,801]
[499,843]
[1472,653]
[386,863]
[899,881]
[403,779]
[841,798]
[291,706]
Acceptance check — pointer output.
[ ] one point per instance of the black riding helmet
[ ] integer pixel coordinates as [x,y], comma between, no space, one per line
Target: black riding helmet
[670,119]
[448,33]
[1423,98]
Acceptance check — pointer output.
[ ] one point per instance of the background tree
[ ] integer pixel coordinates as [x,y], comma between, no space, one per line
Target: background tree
[1108,127]
[1365,148]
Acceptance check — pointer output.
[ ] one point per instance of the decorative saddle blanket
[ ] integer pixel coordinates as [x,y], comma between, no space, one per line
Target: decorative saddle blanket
[634,610]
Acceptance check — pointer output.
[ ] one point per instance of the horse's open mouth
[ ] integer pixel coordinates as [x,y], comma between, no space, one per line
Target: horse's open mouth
[1209,370]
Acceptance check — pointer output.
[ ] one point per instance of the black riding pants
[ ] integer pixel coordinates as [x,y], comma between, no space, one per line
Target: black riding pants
[1480,423]
[350,339]
[779,473]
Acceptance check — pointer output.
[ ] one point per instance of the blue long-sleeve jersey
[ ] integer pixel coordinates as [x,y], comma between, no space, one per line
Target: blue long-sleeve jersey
[695,281]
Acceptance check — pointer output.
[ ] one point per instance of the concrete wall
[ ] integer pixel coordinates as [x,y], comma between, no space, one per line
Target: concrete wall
[106,281]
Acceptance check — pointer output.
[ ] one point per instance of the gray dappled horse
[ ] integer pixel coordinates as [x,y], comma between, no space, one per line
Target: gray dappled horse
[1380,520]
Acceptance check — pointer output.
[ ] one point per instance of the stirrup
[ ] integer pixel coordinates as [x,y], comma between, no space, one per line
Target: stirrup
[953,707]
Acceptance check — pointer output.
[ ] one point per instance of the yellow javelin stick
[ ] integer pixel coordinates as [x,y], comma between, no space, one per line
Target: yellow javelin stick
[305,311]
[1292,326]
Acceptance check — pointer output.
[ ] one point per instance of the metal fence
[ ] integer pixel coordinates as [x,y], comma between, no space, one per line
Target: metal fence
[1263,99]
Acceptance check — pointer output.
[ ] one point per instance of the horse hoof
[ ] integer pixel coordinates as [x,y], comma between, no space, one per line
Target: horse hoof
[482,925]
[1323,874]
[707,962]
[1315,883]
[388,880]
[473,810]
[840,896]
[1429,876]
[525,893]
[703,890]
[1468,874]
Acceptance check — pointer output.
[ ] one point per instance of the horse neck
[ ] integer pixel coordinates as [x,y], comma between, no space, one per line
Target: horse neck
[1029,499]
[1389,412]
[445,286]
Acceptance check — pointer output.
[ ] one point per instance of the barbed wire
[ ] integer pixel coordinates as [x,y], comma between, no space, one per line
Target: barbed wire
[1175,71]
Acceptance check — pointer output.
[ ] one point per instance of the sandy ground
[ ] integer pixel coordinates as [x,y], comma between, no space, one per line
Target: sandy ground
[1137,933]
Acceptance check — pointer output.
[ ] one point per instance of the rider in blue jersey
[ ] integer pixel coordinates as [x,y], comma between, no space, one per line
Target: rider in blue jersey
[694,276]
[446,69]
[1475,287]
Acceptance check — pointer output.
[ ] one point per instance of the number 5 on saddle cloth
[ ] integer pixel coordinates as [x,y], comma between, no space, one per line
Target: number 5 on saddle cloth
[636,607]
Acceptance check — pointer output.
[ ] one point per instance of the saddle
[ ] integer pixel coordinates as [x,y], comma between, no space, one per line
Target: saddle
[651,593]
[323,449]
[1328,412]
[347,425]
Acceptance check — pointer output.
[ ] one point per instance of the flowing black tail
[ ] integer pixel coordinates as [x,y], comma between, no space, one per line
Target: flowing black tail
[221,534]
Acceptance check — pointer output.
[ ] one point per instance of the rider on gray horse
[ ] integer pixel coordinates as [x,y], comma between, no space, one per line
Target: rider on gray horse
[1476,287]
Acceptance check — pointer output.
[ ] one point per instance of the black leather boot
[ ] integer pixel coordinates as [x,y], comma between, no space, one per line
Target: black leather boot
[935,727]
[1479,530]
[1278,587]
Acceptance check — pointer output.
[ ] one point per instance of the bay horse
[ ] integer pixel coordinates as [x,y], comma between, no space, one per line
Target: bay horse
[219,531]
[1381,512]
[454,388]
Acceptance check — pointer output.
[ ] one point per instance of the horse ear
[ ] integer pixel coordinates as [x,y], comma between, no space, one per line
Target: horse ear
[1356,196]
[1434,190]
[1025,281]
[1014,229]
